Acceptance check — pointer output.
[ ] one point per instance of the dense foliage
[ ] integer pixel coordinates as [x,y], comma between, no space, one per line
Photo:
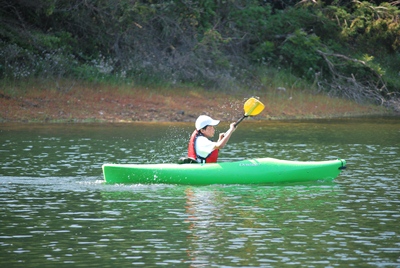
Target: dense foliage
[347,48]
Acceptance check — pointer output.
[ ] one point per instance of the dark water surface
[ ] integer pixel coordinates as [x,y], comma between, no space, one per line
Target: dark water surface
[55,209]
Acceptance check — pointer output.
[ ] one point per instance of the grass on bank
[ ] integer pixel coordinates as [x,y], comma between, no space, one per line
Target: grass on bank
[64,100]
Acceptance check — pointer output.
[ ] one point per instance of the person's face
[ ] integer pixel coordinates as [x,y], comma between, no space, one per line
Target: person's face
[209,131]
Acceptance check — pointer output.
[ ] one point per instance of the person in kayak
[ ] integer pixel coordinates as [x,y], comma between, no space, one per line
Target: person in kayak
[201,149]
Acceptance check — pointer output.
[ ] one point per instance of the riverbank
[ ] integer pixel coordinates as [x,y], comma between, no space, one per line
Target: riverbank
[102,103]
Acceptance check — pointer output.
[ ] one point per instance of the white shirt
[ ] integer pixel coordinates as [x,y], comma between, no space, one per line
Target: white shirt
[204,146]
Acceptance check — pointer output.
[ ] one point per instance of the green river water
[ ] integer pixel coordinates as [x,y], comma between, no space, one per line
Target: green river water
[56,211]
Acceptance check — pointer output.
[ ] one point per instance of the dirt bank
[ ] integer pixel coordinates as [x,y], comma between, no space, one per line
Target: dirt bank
[108,104]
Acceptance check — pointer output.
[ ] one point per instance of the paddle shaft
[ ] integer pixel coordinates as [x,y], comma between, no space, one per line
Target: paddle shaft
[240,120]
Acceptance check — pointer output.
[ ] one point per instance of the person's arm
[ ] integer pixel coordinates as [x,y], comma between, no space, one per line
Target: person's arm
[224,137]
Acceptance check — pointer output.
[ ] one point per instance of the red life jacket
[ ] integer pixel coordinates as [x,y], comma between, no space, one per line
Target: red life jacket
[211,158]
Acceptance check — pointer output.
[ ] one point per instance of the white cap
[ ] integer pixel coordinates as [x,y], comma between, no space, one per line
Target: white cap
[204,120]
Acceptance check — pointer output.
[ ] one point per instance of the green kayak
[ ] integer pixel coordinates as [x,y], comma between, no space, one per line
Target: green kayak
[251,171]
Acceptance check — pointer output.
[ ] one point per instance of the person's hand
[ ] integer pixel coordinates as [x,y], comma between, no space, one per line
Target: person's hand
[224,137]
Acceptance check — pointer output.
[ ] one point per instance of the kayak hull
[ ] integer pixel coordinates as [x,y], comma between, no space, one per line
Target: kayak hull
[251,171]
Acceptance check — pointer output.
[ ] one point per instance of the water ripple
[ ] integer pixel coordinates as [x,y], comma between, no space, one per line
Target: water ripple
[55,208]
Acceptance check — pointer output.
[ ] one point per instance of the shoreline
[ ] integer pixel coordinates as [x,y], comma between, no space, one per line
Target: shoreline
[120,105]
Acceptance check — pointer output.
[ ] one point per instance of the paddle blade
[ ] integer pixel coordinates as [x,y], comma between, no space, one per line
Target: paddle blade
[253,107]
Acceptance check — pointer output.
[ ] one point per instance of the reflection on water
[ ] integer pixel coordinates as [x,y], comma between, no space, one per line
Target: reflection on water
[55,208]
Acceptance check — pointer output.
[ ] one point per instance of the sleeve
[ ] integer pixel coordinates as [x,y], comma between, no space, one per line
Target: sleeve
[204,146]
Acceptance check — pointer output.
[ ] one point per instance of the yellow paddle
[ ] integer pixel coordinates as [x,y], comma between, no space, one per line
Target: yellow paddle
[251,107]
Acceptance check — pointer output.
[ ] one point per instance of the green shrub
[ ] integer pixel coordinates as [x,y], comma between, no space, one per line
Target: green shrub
[300,51]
